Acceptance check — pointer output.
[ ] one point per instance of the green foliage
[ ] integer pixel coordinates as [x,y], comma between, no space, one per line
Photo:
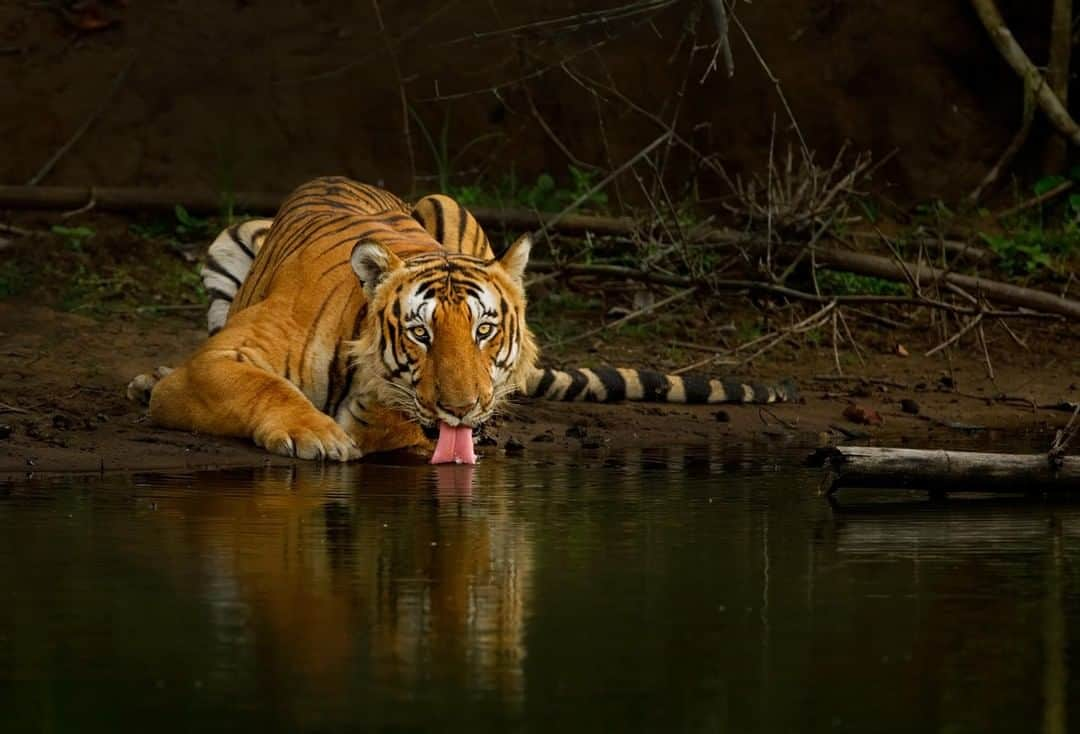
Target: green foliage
[14,279]
[933,212]
[74,237]
[543,194]
[445,163]
[190,228]
[87,289]
[182,227]
[1047,183]
[1029,250]
[1031,244]
[871,209]
[836,283]
[747,331]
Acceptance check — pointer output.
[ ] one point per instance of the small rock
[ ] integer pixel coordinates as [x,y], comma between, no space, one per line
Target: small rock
[909,406]
[945,382]
[513,446]
[590,443]
[865,416]
[722,416]
[5,430]
[901,351]
[576,432]
[543,438]
[62,422]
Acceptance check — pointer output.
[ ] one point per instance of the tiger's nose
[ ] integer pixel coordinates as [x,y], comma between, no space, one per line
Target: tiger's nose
[458,410]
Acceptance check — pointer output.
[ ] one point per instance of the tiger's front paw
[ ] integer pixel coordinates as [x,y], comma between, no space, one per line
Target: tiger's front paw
[310,437]
[140,389]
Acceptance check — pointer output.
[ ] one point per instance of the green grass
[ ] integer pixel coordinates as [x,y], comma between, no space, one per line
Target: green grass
[843,284]
[15,279]
[544,193]
[1042,240]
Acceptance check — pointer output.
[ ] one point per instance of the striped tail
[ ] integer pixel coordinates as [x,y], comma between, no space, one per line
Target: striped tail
[227,264]
[609,384]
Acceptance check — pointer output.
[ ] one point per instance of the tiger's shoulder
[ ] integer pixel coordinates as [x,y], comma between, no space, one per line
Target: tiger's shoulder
[314,232]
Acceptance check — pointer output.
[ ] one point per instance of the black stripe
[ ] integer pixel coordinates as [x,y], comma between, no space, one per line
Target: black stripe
[463,220]
[761,392]
[613,383]
[234,235]
[218,295]
[733,390]
[654,386]
[215,267]
[545,382]
[440,224]
[344,391]
[697,388]
[578,381]
[331,382]
[309,338]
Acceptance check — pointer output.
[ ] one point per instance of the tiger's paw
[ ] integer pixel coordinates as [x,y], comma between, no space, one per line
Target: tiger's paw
[317,437]
[140,389]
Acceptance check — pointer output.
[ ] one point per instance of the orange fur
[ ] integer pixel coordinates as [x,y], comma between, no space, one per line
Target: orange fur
[301,365]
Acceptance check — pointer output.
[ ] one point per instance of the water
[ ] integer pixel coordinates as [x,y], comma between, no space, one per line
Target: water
[656,591]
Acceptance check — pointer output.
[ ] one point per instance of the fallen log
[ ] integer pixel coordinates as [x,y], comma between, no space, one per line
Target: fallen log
[203,201]
[883,267]
[944,471]
[106,198]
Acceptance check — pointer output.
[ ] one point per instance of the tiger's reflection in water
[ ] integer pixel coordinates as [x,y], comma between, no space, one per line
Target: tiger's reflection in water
[330,577]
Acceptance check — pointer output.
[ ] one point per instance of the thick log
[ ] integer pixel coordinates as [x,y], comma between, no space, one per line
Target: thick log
[205,201]
[130,199]
[882,267]
[945,471]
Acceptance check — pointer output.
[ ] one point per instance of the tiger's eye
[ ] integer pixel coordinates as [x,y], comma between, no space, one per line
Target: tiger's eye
[419,332]
[485,330]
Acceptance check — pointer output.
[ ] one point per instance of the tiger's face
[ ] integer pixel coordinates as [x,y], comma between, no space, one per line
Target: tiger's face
[445,337]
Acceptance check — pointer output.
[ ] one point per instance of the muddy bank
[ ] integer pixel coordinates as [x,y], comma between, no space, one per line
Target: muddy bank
[62,404]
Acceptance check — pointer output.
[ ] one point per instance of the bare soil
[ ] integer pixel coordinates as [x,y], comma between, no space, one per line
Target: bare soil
[62,404]
[253,95]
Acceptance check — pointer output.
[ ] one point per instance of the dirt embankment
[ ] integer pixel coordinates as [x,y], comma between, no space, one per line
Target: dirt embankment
[62,405]
[256,95]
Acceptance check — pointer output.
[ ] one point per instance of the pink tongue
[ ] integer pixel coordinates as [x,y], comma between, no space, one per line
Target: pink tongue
[455,446]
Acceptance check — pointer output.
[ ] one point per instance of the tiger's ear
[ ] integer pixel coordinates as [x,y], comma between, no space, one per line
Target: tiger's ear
[372,263]
[516,257]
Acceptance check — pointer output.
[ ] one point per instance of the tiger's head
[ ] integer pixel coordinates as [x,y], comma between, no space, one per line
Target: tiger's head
[445,338]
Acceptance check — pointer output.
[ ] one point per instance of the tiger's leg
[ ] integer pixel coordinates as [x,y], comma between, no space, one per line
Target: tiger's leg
[377,429]
[220,392]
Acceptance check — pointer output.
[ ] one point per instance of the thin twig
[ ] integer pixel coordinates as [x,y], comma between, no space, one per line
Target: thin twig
[971,324]
[117,82]
[1034,201]
[629,317]
[396,67]
[546,225]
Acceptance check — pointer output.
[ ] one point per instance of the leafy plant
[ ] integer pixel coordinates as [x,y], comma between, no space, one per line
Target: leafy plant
[183,227]
[189,227]
[543,194]
[74,237]
[843,284]
[440,149]
[13,279]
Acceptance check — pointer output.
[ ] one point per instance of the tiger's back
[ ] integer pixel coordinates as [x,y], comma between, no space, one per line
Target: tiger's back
[296,268]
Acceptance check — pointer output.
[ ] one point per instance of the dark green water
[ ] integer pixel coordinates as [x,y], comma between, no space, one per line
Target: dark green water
[667,591]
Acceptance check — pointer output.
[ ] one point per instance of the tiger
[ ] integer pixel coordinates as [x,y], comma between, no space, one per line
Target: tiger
[353,323]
